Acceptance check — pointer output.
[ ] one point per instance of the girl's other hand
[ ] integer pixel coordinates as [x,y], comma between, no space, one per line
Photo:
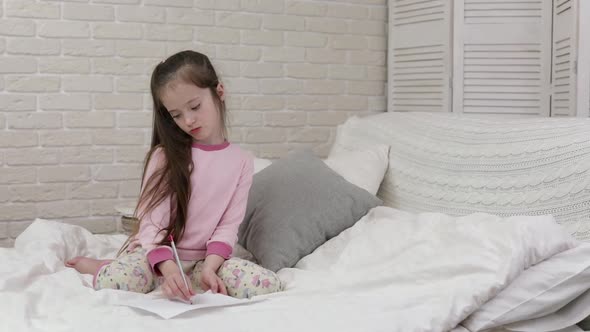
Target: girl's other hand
[211,281]
[173,286]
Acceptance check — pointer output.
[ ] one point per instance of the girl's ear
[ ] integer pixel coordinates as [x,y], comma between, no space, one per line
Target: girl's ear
[220,91]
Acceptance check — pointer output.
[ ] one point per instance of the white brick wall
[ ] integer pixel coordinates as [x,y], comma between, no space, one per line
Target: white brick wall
[75,111]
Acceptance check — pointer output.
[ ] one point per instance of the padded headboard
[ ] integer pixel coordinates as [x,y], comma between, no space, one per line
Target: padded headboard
[460,164]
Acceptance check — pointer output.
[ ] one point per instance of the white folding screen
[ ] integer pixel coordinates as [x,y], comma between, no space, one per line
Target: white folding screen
[583,67]
[564,66]
[490,56]
[502,56]
[419,58]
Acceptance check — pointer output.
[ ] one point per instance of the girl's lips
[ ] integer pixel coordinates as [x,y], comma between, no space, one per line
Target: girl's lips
[196,130]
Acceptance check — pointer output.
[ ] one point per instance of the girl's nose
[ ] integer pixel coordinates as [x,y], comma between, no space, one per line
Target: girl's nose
[190,120]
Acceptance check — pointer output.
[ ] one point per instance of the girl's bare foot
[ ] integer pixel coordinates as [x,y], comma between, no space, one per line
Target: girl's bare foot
[86,265]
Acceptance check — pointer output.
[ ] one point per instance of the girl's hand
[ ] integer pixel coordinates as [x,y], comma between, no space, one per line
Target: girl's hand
[210,280]
[173,286]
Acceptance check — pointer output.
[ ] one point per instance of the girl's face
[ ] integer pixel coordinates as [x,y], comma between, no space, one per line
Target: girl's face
[194,111]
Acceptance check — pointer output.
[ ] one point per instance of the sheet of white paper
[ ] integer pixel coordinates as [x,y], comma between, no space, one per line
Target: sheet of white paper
[166,308]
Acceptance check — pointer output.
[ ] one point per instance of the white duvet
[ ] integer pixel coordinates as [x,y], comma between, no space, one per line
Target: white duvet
[391,271]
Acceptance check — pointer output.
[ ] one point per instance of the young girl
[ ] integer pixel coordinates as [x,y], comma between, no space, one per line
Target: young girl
[195,187]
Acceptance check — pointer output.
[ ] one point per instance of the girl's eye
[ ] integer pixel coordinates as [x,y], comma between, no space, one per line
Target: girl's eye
[176,116]
[196,107]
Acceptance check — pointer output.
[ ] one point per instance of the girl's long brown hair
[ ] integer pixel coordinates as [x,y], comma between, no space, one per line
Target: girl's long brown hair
[172,178]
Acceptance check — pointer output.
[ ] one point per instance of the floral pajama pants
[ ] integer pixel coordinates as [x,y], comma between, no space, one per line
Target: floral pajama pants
[132,272]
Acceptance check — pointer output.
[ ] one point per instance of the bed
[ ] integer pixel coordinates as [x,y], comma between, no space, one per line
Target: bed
[447,265]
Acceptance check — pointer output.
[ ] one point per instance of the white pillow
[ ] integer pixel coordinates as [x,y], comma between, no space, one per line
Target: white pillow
[260,164]
[364,168]
[538,292]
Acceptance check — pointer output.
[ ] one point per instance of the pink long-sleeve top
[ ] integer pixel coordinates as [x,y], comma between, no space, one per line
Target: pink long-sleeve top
[220,182]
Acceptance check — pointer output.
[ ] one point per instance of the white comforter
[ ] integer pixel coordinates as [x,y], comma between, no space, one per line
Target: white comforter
[392,271]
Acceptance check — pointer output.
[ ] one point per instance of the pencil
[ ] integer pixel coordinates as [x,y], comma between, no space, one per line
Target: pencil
[178,261]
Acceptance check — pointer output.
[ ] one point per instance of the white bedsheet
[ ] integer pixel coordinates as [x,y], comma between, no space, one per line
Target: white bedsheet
[391,271]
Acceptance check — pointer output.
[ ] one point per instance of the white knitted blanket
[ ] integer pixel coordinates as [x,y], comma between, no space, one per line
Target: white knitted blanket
[460,164]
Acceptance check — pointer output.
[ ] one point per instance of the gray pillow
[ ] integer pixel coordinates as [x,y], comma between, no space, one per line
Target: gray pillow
[295,205]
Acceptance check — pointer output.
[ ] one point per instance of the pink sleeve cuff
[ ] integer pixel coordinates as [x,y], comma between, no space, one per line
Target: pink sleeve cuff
[158,255]
[219,248]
